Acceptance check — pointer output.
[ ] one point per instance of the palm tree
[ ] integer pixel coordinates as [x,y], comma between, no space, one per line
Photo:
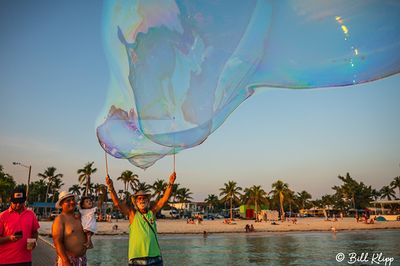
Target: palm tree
[290,197]
[84,175]
[230,192]
[327,200]
[302,198]
[37,191]
[257,196]
[96,189]
[75,189]
[175,188]
[317,203]
[102,195]
[55,187]
[158,187]
[396,183]
[86,191]
[129,178]
[7,184]
[375,194]
[212,201]
[183,195]
[348,189]
[280,189]
[49,175]
[387,192]
[143,186]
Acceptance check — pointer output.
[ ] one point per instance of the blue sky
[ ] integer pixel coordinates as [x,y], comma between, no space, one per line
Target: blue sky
[53,85]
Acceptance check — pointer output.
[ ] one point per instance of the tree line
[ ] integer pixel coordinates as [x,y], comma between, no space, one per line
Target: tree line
[48,187]
[351,194]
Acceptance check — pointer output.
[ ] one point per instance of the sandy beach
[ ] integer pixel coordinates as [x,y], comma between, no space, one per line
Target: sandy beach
[166,226]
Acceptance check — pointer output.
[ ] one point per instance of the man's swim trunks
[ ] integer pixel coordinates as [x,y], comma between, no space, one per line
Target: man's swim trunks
[75,261]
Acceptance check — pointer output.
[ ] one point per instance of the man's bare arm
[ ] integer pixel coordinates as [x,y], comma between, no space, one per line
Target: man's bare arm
[120,205]
[57,231]
[6,239]
[166,195]
[35,235]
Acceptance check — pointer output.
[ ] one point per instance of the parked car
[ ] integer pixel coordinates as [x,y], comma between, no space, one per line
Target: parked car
[186,214]
[117,215]
[172,213]
[209,216]
[160,216]
[54,214]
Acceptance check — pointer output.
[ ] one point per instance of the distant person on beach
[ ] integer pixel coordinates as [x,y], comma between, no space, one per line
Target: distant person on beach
[251,228]
[68,235]
[17,224]
[88,219]
[247,228]
[226,221]
[143,246]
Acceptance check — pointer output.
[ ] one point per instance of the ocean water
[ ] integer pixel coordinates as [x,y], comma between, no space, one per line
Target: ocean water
[378,247]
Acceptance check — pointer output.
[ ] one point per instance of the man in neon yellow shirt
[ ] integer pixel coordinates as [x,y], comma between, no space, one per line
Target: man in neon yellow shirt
[143,243]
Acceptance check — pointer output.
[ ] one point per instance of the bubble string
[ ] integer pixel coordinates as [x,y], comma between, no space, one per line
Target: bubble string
[174,160]
[174,148]
[105,155]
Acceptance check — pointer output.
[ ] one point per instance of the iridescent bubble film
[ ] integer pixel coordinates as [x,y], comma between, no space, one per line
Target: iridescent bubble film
[184,66]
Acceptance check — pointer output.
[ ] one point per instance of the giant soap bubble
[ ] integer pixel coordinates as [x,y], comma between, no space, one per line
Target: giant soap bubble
[179,68]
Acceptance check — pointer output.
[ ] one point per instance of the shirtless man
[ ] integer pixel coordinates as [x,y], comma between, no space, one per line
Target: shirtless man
[68,235]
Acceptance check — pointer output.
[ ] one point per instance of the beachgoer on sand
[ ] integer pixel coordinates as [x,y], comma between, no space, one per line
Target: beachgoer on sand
[143,246]
[226,221]
[68,235]
[247,228]
[88,219]
[17,225]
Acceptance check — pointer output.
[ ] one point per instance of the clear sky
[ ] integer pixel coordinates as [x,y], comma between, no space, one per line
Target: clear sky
[53,85]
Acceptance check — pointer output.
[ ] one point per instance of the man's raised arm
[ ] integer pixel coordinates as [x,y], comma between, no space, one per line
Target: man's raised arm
[166,196]
[120,205]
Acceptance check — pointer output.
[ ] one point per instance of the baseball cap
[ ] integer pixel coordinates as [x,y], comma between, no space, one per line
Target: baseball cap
[18,195]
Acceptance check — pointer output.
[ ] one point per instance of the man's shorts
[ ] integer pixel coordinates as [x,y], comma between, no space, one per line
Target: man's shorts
[152,261]
[75,261]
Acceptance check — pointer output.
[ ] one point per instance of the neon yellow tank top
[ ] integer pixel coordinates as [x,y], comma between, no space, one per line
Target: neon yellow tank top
[142,240]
